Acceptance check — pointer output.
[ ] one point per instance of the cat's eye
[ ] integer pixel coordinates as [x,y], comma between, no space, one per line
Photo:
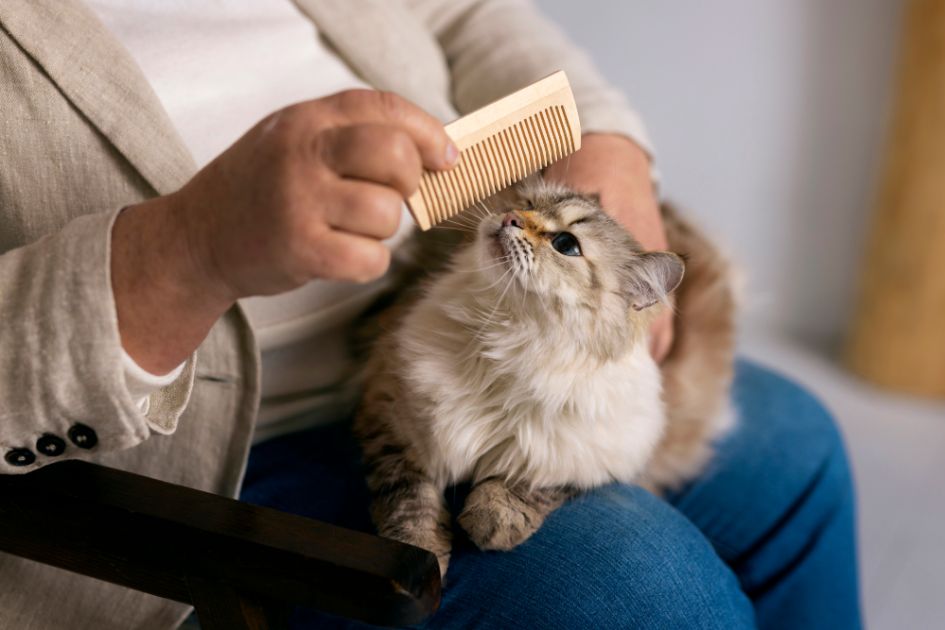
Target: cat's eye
[565,243]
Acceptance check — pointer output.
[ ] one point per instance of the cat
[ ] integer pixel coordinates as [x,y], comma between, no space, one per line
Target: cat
[522,367]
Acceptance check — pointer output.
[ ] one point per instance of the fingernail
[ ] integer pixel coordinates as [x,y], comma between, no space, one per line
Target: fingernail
[452,154]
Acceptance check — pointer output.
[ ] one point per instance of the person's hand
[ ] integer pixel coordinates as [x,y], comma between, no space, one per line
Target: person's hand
[661,334]
[618,170]
[310,192]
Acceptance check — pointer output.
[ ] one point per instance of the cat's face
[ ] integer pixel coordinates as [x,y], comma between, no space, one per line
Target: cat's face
[561,247]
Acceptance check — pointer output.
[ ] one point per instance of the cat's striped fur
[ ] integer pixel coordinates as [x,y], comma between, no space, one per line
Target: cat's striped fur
[526,372]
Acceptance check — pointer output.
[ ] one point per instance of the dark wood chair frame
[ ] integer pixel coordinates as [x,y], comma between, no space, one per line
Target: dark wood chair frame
[241,566]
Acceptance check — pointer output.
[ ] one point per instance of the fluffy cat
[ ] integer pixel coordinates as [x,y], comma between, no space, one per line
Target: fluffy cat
[523,368]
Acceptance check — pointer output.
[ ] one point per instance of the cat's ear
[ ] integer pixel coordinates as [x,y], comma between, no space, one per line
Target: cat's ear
[651,277]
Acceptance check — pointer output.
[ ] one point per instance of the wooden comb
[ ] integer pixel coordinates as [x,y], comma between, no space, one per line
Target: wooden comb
[500,144]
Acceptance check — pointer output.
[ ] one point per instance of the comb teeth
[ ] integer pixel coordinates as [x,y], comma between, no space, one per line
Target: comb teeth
[496,162]
[500,144]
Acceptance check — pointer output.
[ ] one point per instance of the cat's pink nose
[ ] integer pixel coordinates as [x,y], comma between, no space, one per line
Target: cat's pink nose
[511,218]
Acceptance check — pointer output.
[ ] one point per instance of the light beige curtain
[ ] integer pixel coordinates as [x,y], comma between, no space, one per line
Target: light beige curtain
[897,338]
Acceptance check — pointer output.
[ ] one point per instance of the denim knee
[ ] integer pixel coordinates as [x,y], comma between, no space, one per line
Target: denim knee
[614,558]
[794,429]
[784,459]
[779,505]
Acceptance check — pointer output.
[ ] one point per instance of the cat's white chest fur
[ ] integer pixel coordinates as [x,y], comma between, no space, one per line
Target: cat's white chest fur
[530,409]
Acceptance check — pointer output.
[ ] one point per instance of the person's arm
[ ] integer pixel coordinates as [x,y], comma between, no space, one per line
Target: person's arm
[493,47]
[310,192]
[61,379]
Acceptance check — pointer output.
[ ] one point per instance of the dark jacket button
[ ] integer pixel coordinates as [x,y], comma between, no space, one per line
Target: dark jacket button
[82,436]
[50,445]
[20,457]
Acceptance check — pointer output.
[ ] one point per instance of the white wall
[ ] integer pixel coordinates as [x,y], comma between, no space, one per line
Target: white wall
[768,118]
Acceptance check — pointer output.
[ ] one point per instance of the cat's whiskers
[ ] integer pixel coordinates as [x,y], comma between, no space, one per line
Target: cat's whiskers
[486,209]
[498,303]
[511,269]
[464,230]
[501,262]
[459,220]
[522,257]
[469,216]
[474,211]
[525,291]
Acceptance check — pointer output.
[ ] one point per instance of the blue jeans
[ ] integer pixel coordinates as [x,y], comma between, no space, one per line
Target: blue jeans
[765,537]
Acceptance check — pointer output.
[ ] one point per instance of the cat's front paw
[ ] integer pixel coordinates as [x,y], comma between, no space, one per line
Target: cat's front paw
[496,519]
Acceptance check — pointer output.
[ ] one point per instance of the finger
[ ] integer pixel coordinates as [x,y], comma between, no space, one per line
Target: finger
[365,209]
[659,346]
[661,336]
[384,154]
[343,256]
[372,106]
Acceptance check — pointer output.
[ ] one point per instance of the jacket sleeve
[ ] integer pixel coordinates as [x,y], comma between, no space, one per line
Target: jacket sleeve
[494,47]
[61,378]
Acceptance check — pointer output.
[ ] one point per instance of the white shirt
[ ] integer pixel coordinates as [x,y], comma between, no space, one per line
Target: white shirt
[218,67]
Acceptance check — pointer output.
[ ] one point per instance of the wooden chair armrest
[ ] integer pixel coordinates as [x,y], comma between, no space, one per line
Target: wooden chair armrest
[181,544]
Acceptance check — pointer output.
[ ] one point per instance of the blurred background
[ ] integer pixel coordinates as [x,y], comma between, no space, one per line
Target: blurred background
[772,122]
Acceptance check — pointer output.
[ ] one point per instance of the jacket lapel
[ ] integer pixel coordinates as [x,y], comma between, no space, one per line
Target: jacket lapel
[391,50]
[99,77]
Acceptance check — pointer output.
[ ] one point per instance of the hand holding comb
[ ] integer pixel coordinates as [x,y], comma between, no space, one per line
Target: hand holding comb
[500,144]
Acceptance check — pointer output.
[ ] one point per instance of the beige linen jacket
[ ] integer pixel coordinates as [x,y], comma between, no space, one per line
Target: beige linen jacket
[82,135]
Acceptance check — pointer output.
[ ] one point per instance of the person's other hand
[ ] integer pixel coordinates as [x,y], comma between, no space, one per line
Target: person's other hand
[661,334]
[618,170]
[309,192]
